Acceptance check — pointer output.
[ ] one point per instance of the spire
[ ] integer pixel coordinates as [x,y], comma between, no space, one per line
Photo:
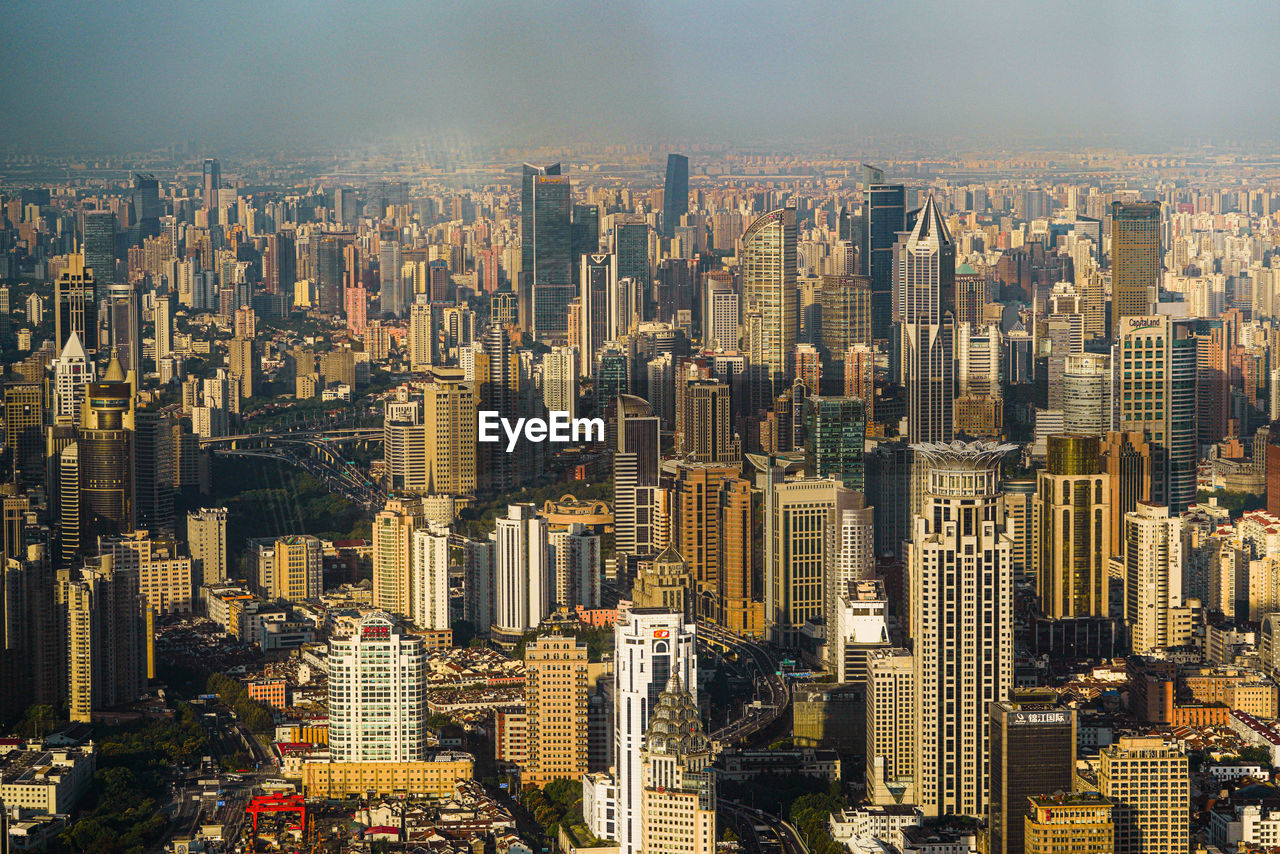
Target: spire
[930,227]
[73,349]
[115,371]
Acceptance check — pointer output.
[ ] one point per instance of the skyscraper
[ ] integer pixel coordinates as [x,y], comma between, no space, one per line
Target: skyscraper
[100,249]
[1033,752]
[1152,576]
[960,564]
[1135,260]
[923,292]
[145,205]
[106,637]
[429,578]
[635,473]
[212,183]
[207,541]
[885,209]
[560,380]
[522,564]
[675,196]
[1072,511]
[769,288]
[377,693]
[678,806]
[106,458]
[835,439]
[75,306]
[393,529]
[72,373]
[704,423]
[556,699]
[545,251]
[1149,783]
[631,248]
[797,513]
[598,292]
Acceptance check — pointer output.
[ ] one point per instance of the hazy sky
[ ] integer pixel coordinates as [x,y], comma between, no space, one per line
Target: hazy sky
[127,75]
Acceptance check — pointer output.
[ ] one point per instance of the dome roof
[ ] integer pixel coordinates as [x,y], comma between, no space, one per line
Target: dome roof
[675,727]
[631,406]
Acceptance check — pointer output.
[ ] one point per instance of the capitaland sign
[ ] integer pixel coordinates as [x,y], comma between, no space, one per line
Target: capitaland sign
[1135,323]
[557,427]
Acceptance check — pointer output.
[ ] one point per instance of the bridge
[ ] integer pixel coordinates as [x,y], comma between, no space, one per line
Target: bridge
[315,451]
[272,437]
[771,688]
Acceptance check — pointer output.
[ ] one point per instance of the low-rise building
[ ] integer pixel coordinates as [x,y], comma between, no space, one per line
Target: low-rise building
[45,781]
[434,777]
[882,823]
[1071,823]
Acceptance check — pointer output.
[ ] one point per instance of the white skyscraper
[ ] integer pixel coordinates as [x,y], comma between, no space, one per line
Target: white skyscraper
[1153,576]
[924,268]
[429,581]
[650,646]
[72,373]
[851,554]
[960,563]
[163,316]
[560,380]
[720,324]
[523,570]
[377,694]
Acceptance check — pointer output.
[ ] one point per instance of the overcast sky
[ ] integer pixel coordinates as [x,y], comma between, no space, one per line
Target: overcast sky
[122,75]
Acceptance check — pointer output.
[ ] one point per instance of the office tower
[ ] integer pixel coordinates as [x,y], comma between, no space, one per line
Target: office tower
[1072,512]
[666,583]
[892,768]
[675,197]
[377,693]
[422,337]
[522,571]
[211,184]
[1148,782]
[1214,339]
[850,554]
[631,248]
[242,363]
[846,314]
[289,568]
[329,274]
[807,371]
[105,443]
[393,528]
[164,576]
[545,250]
[163,317]
[860,377]
[1153,576]
[1127,458]
[450,425]
[923,303]
[1033,752]
[960,564]
[1157,395]
[477,584]
[72,373]
[280,266]
[556,699]
[155,479]
[100,249]
[75,305]
[106,637]
[797,513]
[704,422]
[972,294]
[835,439]
[404,447]
[1135,260]
[1070,823]
[885,209]
[1086,394]
[651,648]
[207,542]
[429,578]
[391,293]
[694,495]
[145,205]
[576,566]
[124,326]
[34,648]
[499,391]
[584,234]
[635,474]
[737,606]
[720,316]
[769,289]
[598,292]
[560,380]
[678,806]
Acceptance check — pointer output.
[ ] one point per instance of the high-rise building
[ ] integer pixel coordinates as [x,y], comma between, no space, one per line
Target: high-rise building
[1033,752]
[106,447]
[211,184]
[1157,395]
[678,804]
[923,303]
[377,693]
[667,583]
[72,373]
[329,267]
[1135,260]
[75,304]
[556,700]
[846,314]
[737,602]
[769,289]
[797,513]
[598,292]
[675,197]
[207,542]
[429,578]
[124,326]
[835,439]
[858,627]
[1086,394]
[631,248]
[393,529]
[885,209]
[450,422]
[164,576]
[560,380]
[280,266]
[576,566]
[1127,460]
[892,764]
[289,568]
[651,647]
[545,251]
[1152,576]
[392,298]
[635,474]
[1149,785]
[100,249]
[499,391]
[162,314]
[704,422]
[145,205]
[960,563]
[1070,823]
[694,494]
[156,480]
[1072,517]
[522,571]
[850,555]
[106,637]
[720,316]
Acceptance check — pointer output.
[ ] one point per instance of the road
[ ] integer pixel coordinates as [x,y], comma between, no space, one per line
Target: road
[772,690]
[762,833]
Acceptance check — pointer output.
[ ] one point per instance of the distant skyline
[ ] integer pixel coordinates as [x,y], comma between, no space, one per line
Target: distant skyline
[246,75]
